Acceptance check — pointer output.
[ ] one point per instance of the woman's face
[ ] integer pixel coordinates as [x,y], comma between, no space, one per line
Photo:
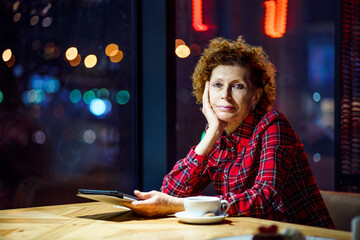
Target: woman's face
[232,94]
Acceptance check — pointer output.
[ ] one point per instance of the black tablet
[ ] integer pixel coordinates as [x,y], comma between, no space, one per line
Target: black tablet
[108,196]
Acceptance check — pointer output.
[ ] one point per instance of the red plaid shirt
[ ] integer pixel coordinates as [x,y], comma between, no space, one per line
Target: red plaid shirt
[261,169]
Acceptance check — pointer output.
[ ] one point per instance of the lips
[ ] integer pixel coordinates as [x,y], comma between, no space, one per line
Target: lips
[225,108]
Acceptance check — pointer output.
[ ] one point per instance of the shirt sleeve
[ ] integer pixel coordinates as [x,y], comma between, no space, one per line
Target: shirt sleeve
[264,199]
[188,177]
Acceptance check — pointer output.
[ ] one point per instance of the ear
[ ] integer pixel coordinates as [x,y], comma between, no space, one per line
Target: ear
[257,95]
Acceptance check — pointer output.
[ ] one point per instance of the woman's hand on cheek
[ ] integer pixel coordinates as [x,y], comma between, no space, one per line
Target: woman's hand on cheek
[216,126]
[154,204]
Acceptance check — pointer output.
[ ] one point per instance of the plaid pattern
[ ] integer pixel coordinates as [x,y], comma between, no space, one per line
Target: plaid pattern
[261,169]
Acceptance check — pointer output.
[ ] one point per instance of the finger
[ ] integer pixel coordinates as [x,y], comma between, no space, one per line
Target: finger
[143,195]
[206,93]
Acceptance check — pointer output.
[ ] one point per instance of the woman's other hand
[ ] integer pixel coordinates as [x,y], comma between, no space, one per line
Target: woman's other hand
[155,204]
[216,126]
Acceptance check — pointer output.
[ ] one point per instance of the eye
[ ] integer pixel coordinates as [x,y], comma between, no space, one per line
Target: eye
[239,86]
[217,85]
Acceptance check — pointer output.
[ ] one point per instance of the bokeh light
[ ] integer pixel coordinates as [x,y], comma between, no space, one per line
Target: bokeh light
[111,49]
[90,61]
[33,96]
[182,51]
[89,96]
[39,137]
[11,62]
[76,61]
[52,85]
[17,17]
[34,20]
[103,93]
[179,42]
[316,157]
[1,96]
[18,71]
[75,96]
[48,84]
[100,107]
[88,136]
[6,55]
[71,53]
[16,6]
[117,57]
[123,97]
[316,96]
[195,49]
[46,22]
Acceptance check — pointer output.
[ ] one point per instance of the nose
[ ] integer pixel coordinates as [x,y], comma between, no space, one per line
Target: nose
[226,93]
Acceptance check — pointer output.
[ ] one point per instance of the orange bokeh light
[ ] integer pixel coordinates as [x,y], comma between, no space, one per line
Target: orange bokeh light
[275,18]
[75,61]
[111,49]
[117,57]
[179,42]
[182,51]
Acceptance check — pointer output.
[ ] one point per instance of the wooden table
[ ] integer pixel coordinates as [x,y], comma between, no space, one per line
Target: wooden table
[97,220]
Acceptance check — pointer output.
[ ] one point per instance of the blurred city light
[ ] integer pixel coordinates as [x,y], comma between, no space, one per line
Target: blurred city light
[33,96]
[88,136]
[182,51]
[90,61]
[6,55]
[71,53]
[34,20]
[75,96]
[76,61]
[117,57]
[103,93]
[89,96]
[16,6]
[11,62]
[100,107]
[316,157]
[17,17]
[195,49]
[122,97]
[111,49]
[1,96]
[47,22]
[316,97]
[39,137]
[179,42]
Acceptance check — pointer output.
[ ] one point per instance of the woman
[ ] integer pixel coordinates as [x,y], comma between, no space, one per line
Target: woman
[250,154]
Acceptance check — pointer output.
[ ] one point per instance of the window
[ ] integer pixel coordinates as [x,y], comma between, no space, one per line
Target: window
[67,99]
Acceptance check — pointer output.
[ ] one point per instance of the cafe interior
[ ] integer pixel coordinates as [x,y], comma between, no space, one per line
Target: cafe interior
[97,94]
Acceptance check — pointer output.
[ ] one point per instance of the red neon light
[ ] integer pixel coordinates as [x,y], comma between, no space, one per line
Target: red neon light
[197,16]
[275,18]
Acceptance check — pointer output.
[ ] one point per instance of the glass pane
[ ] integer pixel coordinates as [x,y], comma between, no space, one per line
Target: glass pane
[67,108]
[304,58]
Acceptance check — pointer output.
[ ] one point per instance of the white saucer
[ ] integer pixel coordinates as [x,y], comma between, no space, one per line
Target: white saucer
[199,220]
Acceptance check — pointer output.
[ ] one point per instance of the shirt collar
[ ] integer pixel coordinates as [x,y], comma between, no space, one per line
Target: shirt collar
[244,132]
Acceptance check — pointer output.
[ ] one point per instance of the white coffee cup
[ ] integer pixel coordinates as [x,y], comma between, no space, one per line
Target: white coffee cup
[355,228]
[200,205]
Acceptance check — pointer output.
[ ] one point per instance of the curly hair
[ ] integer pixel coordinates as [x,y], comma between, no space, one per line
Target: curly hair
[226,52]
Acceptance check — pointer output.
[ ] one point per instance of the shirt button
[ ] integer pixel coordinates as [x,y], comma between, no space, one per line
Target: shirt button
[232,149]
[225,176]
[274,204]
[196,161]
